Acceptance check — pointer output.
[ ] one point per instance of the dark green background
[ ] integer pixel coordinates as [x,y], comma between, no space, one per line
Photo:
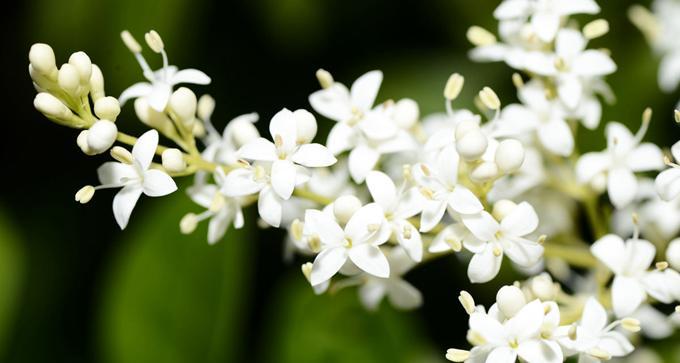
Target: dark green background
[73,288]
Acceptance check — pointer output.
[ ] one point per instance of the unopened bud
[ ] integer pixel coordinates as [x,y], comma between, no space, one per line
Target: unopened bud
[85,194]
[42,59]
[206,106]
[510,300]
[101,136]
[188,223]
[406,113]
[130,42]
[81,61]
[96,83]
[173,160]
[305,125]
[489,98]
[596,29]
[542,287]
[464,127]
[467,301]
[68,79]
[183,103]
[509,155]
[82,143]
[107,108]
[52,107]
[479,36]
[472,145]
[243,130]
[153,39]
[122,155]
[324,77]
[344,207]
[484,172]
[453,86]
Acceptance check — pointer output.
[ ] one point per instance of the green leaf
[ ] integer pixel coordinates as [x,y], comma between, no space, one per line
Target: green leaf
[11,278]
[302,327]
[173,298]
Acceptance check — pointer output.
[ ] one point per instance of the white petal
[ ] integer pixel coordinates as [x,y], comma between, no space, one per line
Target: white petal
[524,252]
[463,201]
[502,355]
[433,212]
[621,187]
[372,293]
[258,149]
[283,124]
[313,156]
[627,295]
[190,75]
[591,164]
[320,223]
[145,148]
[657,286]
[370,259]
[521,221]
[577,7]
[404,295]
[509,9]
[654,324]
[377,126]
[363,220]
[270,207]
[365,89]
[570,90]
[362,160]
[332,102]
[527,322]
[327,263]
[545,25]
[489,328]
[669,72]
[112,172]
[593,63]
[410,204]
[157,183]
[645,157]
[484,266]
[675,151]
[412,245]
[639,255]
[489,53]
[555,135]
[540,351]
[124,202]
[594,316]
[619,138]
[667,183]
[569,43]
[159,95]
[240,182]
[140,89]
[341,138]
[218,226]
[611,251]
[382,189]
[283,178]
[591,112]
[447,165]
[615,344]
[482,225]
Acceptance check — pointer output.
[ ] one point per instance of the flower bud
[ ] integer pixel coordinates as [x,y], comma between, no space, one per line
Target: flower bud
[42,59]
[406,113]
[305,124]
[509,155]
[484,172]
[472,145]
[173,160]
[82,143]
[464,127]
[542,287]
[502,208]
[153,39]
[85,194]
[101,136]
[510,300]
[673,253]
[96,83]
[198,129]
[183,103]
[206,106]
[107,108]
[52,107]
[344,207]
[243,132]
[68,79]
[83,65]
[130,42]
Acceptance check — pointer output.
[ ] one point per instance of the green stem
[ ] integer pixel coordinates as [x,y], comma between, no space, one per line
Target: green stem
[574,255]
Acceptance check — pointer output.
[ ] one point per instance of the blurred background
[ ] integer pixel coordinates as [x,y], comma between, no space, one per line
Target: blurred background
[74,288]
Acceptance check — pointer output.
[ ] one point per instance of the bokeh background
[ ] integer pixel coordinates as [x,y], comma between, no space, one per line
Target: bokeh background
[74,288]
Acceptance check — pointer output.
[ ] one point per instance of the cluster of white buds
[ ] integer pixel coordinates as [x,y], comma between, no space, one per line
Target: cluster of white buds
[390,189]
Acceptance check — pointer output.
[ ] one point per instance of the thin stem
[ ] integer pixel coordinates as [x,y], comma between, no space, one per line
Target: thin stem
[574,255]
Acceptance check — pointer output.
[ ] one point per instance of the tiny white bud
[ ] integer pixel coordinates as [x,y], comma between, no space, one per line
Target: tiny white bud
[183,103]
[130,42]
[101,136]
[305,124]
[344,207]
[509,155]
[107,108]
[510,300]
[596,29]
[467,302]
[453,86]
[206,107]
[42,59]
[68,79]
[457,355]
[673,253]
[52,107]
[484,172]
[96,83]
[188,223]
[153,39]
[82,143]
[472,145]
[464,127]
[489,98]
[173,160]
[85,194]
[479,36]
[243,132]
[502,208]
[81,61]
[122,155]
[406,113]
[542,287]
[324,77]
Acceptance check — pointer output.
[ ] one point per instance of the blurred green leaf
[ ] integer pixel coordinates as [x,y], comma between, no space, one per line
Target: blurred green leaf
[11,277]
[302,327]
[173,298]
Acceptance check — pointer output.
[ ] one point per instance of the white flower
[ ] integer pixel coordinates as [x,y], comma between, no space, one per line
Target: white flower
[593,335]
[223,148]
[398,206]
[158,89]
[358,242]
[624,156]
[400,293]
[494,239]
[135,178]
[287,154]
[253,179]
[668,181]
[629,261]
[439,183]
[545,15]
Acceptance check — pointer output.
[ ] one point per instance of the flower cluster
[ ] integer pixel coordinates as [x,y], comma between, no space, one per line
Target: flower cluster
[390,189]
